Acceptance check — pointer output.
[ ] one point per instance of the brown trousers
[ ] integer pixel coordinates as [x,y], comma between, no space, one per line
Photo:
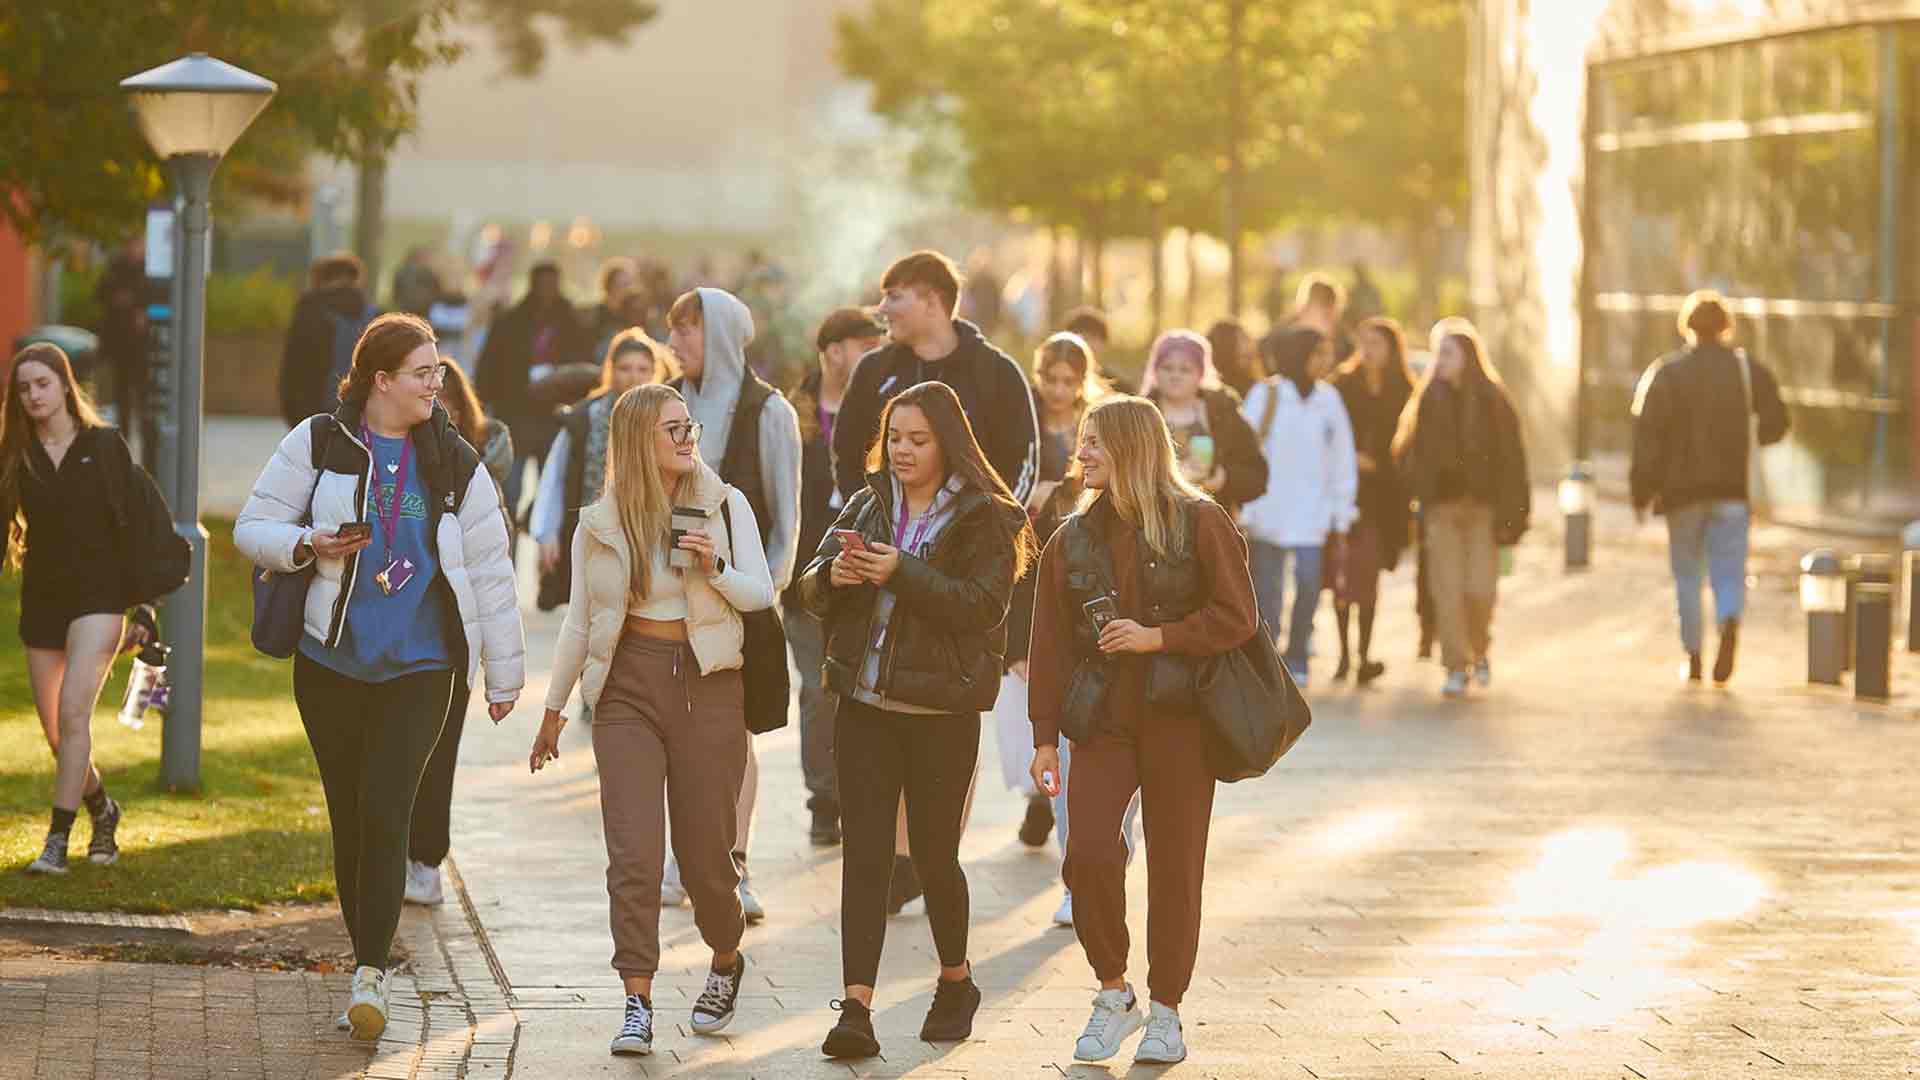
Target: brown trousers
[662,727]
[1167,763]
[1463,566]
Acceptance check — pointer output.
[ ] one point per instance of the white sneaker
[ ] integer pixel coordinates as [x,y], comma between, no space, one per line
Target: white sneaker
[367,1008]
[1455,686]
[1163,1043]
[1483,673]
[423,885]
[714,1008]
[341,1023]
[1064,916]
[672,893]
[1116,1015]
[636,1029]
[749,904]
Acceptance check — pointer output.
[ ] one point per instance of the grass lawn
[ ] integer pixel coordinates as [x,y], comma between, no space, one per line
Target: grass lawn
[257,831]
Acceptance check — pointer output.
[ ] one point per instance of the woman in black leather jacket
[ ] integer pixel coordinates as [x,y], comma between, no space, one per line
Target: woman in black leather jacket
[915,615]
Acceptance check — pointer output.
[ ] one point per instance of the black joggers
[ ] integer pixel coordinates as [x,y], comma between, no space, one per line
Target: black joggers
[433,806]
[372,741]
[879,755]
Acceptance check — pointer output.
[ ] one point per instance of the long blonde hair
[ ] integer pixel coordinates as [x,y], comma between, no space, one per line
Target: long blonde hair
[16,432]
[633,486]
[1144,480]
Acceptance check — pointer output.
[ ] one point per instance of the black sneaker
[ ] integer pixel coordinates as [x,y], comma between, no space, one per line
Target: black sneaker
[1723,660]
[102,850]
[826,824]
[713,1010]
[951,1017]
[852,1037]
[636,1028]
[1038,823]
[906,885]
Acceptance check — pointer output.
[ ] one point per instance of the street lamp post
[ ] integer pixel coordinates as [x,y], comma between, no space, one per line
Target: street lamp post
[191,111]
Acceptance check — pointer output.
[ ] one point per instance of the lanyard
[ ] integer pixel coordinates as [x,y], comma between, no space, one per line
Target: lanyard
[920,532]
[390,516]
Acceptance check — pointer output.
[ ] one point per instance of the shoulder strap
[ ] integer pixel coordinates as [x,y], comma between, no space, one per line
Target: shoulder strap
[319,437]
[1272,406]
[726,517]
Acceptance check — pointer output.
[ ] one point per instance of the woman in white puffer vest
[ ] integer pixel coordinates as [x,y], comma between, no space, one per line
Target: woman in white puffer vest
[412,583]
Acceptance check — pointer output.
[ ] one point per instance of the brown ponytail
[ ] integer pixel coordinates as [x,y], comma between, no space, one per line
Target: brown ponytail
[384,346]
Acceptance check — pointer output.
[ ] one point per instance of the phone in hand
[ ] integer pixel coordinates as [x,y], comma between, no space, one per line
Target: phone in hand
[850,540]
[1102,610]
[355,531]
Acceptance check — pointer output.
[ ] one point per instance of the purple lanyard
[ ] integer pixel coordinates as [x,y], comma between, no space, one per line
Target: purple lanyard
[919,533]
[389,517]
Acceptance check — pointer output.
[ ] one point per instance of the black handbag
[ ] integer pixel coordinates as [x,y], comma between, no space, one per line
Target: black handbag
[763,667]
[1253,711]
[280,600]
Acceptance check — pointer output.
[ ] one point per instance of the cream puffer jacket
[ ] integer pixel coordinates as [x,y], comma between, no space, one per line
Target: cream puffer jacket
[470,535]
[603,565]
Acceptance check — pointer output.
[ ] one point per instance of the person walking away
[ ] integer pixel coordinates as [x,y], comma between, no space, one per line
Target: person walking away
[1150,577]
[915,615]
[920,294]
[429,837]
[653,637]
[1697,416]
[327,323]
[416,287]
[1460,450]
[750,435]
[843,338]
[618,278]
[64,481]
[1375,386]
[399,608]
[1234,356]
[524,345]
[1212,442]
[1320,304]
[1312,484]
[121,293]
[576,468]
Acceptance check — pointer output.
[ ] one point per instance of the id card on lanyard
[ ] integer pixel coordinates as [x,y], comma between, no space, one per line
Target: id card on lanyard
[399,569]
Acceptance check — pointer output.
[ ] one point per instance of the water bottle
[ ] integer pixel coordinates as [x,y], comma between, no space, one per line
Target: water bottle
[146,685]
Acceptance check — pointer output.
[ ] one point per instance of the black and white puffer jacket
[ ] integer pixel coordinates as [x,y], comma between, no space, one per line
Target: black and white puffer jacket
[469,528]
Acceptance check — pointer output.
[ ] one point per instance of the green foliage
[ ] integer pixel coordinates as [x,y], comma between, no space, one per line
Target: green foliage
[257,303]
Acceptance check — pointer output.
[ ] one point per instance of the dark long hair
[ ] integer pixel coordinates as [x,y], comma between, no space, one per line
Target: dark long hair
[1479,378]
[1399,380]
[16,432]
[384,346]
[463,405]
[1235,368]
[1291,351]
[962,454]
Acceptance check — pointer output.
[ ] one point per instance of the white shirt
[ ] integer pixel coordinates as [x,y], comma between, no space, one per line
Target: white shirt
[1312,477]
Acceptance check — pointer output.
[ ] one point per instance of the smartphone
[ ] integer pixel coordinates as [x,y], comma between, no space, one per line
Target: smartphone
[355,530]
[850,540]
[1102,611]
[686,519]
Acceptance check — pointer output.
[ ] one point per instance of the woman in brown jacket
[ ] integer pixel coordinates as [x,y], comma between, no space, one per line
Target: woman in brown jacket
[1150,576]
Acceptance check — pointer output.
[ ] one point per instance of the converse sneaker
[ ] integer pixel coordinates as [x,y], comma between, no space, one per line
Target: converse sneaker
[367,1008]
[1116,1015]
[750,908]
[672,892]
[53,858]
[636,1028]
[852,1037]
[423,885]
[713,1010]
[101,848]
[1063,916]
[1455,686]
[1163,1043]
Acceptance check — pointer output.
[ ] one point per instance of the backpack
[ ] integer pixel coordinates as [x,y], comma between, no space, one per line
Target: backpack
[346,335]
[157,558]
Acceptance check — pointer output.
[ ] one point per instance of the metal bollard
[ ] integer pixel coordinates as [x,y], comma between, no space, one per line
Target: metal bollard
[1911,541]
[1823,596]
[1577,496]
[1873,641]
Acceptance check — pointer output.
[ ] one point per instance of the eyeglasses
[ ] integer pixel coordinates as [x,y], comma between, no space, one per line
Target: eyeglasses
[430,375]
[683,432]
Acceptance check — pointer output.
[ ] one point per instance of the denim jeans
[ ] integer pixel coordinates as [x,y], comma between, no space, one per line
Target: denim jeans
[1268,562]
[1709,538]
[806,636]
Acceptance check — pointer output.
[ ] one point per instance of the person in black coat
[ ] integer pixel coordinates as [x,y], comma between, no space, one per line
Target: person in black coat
[327,315]
[1375,385]
[526,343]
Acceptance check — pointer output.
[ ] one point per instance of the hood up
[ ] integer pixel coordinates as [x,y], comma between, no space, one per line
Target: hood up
[729,328]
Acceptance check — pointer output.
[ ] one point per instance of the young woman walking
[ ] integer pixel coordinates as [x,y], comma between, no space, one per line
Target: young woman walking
[1460,448]
[913,584]
[653,636]
[413,589]
[1375,385]
[1216,448]
[1149,577]
[60,466]
[1309,502]
[433,805]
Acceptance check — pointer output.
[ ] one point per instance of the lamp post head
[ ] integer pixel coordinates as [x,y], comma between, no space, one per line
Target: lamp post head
[196,105]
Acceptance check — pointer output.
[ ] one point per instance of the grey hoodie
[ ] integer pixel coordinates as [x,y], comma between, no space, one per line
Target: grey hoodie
[729,328]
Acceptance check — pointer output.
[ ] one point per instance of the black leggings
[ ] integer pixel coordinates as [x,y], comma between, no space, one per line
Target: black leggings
[371,741]
[878,755]
[433,806]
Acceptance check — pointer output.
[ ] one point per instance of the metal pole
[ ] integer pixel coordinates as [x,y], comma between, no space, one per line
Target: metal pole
[1892,138]
[187,610]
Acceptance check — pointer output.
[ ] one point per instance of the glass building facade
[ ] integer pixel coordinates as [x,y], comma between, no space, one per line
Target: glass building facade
[1783,172]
